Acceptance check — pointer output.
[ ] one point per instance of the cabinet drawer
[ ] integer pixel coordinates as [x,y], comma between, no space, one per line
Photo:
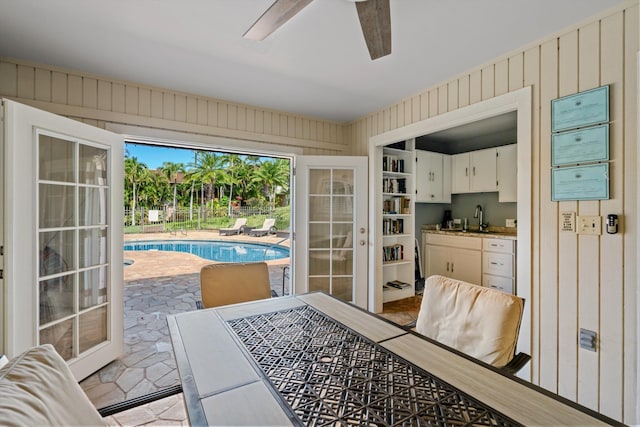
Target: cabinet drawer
[497,263]
[454,241]
[504,284]
[498,245]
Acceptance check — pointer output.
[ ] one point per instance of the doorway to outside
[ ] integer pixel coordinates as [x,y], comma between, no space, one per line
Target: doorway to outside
[180,210]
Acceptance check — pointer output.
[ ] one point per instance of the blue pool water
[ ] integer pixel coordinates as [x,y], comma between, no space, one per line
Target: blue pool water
[221,251]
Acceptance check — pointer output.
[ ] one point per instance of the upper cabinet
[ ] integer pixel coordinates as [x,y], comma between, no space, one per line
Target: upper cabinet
[433,177]
[507,173]
[474,172]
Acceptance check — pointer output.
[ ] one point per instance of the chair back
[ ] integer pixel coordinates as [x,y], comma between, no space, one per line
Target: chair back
[239,223]
[230,283]
[481,322]
[268,223]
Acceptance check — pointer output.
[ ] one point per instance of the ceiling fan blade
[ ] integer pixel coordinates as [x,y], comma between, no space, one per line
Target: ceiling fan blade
[375,20]
[277,14]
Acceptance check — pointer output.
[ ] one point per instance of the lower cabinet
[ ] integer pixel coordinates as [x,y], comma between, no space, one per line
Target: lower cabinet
[482,261]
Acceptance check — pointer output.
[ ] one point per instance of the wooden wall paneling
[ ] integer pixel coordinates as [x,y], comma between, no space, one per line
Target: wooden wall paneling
[380,118]
[291,129]
[8,78]
[26,77]
[117,97]
[488,82]
[452,92]
[298,128]
[202,113]
[475,87]
[529,69]
[516,72]
[306,131]
[268,124]
[568,244]
[415,109]
[611,296]
[192,109]
[222,116]
[58,87]
[501,77]
[386,113]
[284,127]
[629,221]
[548,218]
[74,90]
[144,102]
[463,91]
[260,121]
[393,117]
[443,99]
[401,110]
[433,103]
[90,93]
[408,111]
[424,105]
[168,106]
[319,131]
[104,95]
[157,106]
[588,245]
[232,116]
[132,100]
[42,85]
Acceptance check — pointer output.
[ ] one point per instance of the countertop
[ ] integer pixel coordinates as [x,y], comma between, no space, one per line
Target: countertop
[494,232]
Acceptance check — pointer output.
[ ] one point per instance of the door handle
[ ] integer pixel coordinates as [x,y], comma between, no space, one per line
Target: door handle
[362,243]
[447,265]
[452,267]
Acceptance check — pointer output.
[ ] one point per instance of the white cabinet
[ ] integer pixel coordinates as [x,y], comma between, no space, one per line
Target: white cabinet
[498,264]
[507,162]
[433,177]
[458,257]
[474,172]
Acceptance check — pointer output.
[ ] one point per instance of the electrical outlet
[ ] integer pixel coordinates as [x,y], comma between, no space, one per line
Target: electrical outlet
[590,225]
[510,223]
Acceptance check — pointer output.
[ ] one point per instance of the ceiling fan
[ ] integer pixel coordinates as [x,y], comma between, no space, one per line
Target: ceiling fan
[374,15]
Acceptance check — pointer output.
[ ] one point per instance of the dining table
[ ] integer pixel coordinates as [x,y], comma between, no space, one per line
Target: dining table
[312,359]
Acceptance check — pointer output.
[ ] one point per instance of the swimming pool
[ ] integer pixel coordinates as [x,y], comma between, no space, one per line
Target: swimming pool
[214,250]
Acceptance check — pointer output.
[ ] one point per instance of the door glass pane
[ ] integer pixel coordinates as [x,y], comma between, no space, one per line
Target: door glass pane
[319,284]
[73,243]
[93,328]
[57,204]
[343,288]
[319,208]
[320,181]
[319,262]
[60,336]
[56,159]
[92,247]
[342,207]
[342,181]
[319,235]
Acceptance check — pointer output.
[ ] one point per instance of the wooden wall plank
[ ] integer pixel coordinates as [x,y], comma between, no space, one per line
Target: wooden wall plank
[192,109]
[588,246]
[611,292]
[202,113]
[268,124]
[529,67]
[568,244]
[547,215]
[251,119]
[144,102]
[629,222]
[275,124]
[291,129]
[8,79]
[74,88]
[475,87]
[259,121]
[488,82]
[408,112]
[424,106]
[156,104]
[415,109]
[393,117]
[452,92]
[212,113]
[501,78]
[443,99]
[58,87]
[117,97]
[433,102]
[386,123]
[223,115]
[90,92]
[131,99]
[42,85]
[26,80]
[180,108]
[516,72]
[168,106]
[463,91]
[104,95]
[232,116]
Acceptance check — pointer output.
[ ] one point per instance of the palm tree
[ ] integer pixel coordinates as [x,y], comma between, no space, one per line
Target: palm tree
[272,174]
[170,170]
[208,167]
[134,174]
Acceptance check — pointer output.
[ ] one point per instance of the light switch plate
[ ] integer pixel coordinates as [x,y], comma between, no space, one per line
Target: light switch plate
[590,225]
[510,223]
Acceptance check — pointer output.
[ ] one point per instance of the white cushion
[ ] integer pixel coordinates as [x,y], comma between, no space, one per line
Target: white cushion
[478,321]
[37,388]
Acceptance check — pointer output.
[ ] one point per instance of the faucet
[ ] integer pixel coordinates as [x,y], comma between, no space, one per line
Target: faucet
[478,214]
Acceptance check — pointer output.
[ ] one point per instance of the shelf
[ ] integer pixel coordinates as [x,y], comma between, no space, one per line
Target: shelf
[396,194]
[400,174]
[397,235]
[391,294]
[390,215]
[390,263]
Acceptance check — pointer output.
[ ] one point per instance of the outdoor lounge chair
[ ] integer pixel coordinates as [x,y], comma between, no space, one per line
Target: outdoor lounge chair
[481,322]
[269,226]
[235,229]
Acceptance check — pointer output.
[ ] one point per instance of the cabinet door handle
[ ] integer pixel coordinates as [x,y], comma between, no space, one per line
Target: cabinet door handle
[474,171]
[466,171]
[452,267]
[447,265]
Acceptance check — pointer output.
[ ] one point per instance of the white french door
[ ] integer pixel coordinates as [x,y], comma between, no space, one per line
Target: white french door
[330,244]
[63,185]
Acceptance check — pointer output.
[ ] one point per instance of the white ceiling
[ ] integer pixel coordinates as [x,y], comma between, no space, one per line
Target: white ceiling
[317,64]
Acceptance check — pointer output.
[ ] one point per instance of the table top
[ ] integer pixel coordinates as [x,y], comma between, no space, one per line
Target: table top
[312,359]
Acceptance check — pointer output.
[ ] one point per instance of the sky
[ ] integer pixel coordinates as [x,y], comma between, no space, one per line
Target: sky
[154,156]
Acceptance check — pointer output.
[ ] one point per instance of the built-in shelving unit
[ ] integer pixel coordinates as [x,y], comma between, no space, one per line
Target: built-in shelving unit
[394,194]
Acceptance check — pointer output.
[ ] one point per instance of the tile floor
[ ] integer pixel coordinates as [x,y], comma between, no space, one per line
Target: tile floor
[161,283]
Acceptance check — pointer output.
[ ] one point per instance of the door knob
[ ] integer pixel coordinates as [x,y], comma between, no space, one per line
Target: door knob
[362,230]
[362,242]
